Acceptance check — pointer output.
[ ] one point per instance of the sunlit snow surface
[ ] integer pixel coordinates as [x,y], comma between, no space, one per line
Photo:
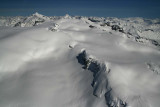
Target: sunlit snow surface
[79,62]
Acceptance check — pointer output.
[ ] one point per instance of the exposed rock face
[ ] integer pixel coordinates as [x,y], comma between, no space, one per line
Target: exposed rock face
[93,20]
[107,23]
[91,26]
[33,20]
[116,27]
[154,67]
[100,83]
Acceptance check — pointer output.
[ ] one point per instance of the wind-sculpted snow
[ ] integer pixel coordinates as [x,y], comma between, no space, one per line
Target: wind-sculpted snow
[78,62]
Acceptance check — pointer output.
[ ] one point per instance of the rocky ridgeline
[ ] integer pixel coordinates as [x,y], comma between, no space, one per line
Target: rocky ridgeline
[131,32]
[100,83]
[141,30]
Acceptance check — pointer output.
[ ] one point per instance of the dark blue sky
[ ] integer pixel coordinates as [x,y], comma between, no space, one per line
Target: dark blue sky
[105,8]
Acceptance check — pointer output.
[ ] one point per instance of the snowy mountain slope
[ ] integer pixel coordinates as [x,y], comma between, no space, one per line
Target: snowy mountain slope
[33,20]
[141,30]
[77,62]
[10,21]
[145,29]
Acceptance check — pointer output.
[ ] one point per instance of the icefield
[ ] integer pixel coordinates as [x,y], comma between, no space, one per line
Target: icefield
[77,61]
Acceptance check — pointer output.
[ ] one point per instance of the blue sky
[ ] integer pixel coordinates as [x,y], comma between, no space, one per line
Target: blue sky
[105,8]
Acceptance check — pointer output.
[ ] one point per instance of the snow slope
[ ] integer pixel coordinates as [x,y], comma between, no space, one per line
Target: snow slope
[79,62]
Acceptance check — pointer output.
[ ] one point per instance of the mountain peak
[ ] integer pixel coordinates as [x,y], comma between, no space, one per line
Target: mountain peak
[37,14]
[67,16]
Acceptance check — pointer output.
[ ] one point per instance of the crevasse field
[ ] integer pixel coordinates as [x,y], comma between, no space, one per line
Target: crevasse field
[79,62]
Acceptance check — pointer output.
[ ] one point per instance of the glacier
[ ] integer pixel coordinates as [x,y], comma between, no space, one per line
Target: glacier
[78,61]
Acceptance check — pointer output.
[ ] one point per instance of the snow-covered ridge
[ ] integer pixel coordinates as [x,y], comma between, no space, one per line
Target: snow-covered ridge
[100,83]
[140,29]
[29,21]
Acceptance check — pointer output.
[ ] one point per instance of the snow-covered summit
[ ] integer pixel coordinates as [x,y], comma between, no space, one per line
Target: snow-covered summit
[37,14]
[33,20]
[67,16]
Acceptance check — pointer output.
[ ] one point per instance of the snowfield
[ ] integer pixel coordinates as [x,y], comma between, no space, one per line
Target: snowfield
[79,62]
